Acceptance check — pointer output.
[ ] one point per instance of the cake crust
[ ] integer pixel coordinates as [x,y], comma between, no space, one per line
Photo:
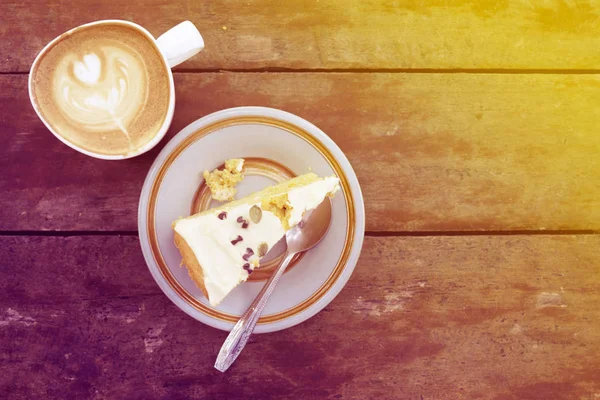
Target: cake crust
[190,262]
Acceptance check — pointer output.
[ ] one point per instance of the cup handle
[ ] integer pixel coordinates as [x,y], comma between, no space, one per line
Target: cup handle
[180,43]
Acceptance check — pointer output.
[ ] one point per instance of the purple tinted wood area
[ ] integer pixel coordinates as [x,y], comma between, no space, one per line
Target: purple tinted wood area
[82,315]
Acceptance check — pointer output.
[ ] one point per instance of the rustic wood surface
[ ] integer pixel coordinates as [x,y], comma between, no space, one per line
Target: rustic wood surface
[453,152]
[299,34]
[478,118]
[486,317]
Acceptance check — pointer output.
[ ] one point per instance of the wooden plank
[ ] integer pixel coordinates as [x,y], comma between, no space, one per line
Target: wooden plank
[433,152]
[409,34]
[487,317]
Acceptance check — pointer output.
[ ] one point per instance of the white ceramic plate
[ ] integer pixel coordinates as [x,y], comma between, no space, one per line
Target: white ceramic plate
[261,133]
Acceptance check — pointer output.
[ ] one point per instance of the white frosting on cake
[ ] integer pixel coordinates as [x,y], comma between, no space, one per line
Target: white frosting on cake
[210,237]
[307,197]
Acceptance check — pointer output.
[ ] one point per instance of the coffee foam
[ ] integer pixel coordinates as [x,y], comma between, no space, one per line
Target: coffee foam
[104,88]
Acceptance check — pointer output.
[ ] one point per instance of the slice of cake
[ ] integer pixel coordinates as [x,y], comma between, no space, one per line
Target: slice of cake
[220,247]
[221,182]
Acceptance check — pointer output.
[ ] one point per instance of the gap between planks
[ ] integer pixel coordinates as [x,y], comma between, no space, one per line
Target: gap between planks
[367,233]
[378,70]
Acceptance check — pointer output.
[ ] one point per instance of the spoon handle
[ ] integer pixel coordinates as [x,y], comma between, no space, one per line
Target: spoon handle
[239,335]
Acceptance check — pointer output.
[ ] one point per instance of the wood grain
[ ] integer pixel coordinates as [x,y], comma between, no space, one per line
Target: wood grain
[486,317]
[433,152]
[329,34]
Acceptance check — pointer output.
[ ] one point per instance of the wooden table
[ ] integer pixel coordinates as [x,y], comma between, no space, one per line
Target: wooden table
[473,127]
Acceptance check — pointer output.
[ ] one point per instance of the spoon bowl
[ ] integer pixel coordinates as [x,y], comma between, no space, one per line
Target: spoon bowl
[311,230]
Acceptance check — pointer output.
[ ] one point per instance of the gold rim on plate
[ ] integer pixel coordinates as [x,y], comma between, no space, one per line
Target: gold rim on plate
[258,120]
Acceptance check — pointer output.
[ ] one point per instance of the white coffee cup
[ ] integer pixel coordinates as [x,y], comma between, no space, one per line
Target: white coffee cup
[176,46]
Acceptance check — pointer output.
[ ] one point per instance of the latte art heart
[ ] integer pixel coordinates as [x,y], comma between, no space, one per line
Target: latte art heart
[89,70]
[105,88]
